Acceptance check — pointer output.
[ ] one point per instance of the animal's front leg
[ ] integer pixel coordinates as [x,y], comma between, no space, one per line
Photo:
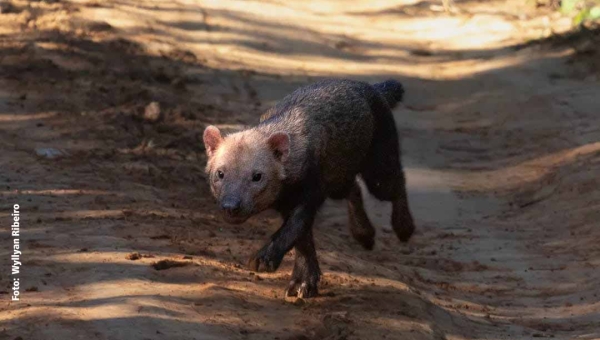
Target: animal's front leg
[307,273]
[297,223]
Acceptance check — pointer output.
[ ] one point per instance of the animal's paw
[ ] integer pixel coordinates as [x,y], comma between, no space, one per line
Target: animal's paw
[304,282]
[303,289]
[265,260]
[404,230]
[366,241]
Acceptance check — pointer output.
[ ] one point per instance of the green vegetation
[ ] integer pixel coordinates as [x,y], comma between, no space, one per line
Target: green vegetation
[581,10]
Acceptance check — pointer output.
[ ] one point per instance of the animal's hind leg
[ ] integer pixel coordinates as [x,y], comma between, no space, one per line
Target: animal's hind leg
[402,220]
[385,179]
[361,228]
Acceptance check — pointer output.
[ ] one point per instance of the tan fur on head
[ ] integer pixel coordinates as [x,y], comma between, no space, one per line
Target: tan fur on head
[247,165]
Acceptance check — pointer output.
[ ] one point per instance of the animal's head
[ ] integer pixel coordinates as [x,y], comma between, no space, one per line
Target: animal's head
[245,170]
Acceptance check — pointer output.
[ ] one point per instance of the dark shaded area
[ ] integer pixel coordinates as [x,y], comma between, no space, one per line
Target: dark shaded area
[571,38]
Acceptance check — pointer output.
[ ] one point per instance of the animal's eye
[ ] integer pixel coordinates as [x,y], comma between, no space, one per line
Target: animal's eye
[220,174]
[256,177]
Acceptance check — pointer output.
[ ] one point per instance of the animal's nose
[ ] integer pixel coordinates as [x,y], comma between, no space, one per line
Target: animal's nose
[231,205]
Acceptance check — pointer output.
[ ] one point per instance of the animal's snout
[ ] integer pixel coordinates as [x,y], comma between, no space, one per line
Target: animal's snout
[231,205]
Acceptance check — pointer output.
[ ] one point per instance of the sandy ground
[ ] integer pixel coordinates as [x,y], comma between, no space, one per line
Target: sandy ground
[500,144]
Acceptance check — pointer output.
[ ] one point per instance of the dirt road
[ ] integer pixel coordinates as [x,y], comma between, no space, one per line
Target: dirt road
[500,144]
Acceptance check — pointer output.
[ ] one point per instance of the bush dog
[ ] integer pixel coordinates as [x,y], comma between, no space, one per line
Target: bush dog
[311,146]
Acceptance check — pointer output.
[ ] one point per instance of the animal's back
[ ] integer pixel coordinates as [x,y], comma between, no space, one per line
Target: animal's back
[335,119]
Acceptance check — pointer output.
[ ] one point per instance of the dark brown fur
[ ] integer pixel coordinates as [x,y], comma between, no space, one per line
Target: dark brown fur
[309,147]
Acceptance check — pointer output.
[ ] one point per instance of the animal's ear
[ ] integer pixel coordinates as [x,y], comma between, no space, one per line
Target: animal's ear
[212,139]
[279,142]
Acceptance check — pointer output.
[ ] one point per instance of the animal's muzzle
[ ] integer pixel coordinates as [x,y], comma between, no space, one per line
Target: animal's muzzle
[231,205]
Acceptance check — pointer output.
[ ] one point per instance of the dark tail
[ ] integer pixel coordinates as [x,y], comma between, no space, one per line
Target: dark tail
[391,90]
